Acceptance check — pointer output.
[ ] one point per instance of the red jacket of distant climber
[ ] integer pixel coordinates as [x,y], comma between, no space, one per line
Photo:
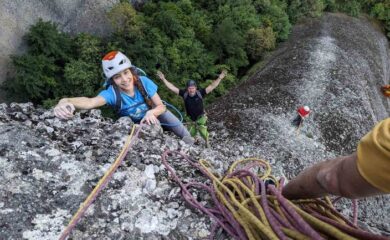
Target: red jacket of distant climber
[386,90]
[302,112]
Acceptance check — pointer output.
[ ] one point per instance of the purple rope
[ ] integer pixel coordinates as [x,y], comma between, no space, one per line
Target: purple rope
[273,222]
[281,220]
[352,231]
[292,221]
[237,233]
[335,212]
[307,229]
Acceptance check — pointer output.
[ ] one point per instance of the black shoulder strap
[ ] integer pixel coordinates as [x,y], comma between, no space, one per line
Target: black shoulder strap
[118,99]
[199,94]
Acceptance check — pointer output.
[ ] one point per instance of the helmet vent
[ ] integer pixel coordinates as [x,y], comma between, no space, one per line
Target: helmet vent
[115,62]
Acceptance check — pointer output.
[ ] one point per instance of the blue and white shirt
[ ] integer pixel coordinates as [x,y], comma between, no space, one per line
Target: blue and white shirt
[134,107]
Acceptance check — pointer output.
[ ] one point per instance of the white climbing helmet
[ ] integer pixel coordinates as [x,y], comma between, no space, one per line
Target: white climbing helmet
[115,62]
[306,108]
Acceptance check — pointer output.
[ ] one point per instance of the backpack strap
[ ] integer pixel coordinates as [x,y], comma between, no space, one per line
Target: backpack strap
[140,72]
[117,93]
[118,99]
[199,94]
[144,94]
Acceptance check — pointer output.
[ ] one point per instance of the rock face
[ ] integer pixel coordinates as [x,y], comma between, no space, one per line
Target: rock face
[336,66]
[71,16]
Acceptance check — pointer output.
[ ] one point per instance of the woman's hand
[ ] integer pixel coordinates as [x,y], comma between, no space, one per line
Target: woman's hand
[64,110]
[149,118]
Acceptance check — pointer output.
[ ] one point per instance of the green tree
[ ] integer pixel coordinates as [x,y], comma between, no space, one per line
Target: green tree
[201,22]
[80,80]
[351,7]
[260,40]
[189,59]
[35,79]
[40,71]
[127,23]
[301,8]
[172,20]
[229,44]
[381,10]
[330,5]
[44,38]
[242,13]
[88,48]
[276,17]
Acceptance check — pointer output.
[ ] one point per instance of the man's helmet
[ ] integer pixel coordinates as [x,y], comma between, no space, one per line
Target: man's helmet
[115,62]
[306,108]
[191,83]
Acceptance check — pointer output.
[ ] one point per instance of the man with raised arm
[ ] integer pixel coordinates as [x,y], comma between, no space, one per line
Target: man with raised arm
[193,100]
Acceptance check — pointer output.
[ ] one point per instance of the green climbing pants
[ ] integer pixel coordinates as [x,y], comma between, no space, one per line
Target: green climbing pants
[199,126]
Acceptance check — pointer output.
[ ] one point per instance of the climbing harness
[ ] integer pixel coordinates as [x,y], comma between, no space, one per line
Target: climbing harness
[102,182]
[245,208]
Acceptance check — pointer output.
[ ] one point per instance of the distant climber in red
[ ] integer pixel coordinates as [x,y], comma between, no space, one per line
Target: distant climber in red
[386,90]
[303,112]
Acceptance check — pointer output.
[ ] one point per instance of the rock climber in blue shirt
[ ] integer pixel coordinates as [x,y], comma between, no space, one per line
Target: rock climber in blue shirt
[138,97]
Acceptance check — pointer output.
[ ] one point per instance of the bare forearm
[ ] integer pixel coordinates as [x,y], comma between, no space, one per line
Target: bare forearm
[213,85]
[216,82]
[79,102]
[305,185]
[158,110]
[339,176]
[170,86]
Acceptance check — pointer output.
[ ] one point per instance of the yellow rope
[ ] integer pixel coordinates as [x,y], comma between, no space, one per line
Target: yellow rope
[322,226]
[295,234]
[247,220]
[90,197]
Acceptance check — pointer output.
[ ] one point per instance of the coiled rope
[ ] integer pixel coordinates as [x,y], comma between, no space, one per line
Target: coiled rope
[102,182]
[246,207]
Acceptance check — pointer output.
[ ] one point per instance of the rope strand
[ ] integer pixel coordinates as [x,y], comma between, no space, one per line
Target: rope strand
[101,184]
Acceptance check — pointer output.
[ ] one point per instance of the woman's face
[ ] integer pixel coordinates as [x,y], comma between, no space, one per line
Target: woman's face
[124,79]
